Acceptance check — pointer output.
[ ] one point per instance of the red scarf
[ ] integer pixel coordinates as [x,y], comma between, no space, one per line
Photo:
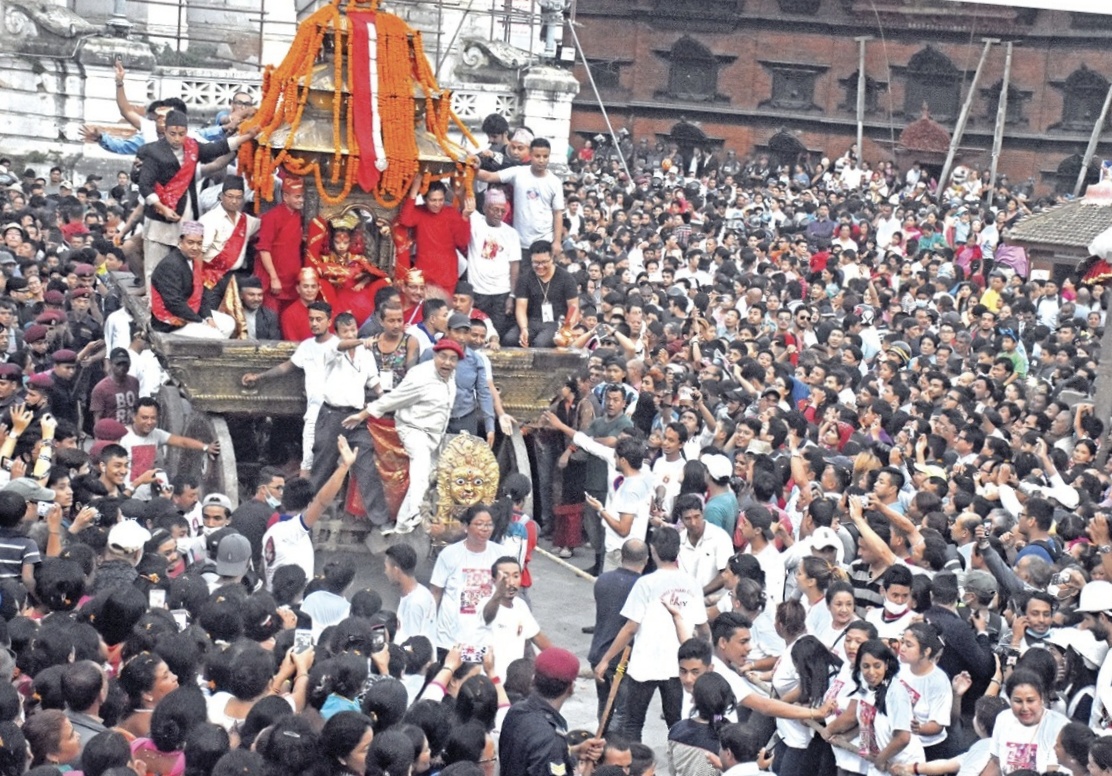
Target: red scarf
[158,307]
[223,261]
[172,192]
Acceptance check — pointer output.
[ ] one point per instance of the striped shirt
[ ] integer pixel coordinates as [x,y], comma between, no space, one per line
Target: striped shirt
[16,550]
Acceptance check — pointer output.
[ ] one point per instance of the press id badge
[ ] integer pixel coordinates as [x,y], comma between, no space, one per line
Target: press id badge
[386,381]
[547,313]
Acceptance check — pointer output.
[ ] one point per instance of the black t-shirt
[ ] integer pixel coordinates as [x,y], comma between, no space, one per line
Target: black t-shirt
[556,292]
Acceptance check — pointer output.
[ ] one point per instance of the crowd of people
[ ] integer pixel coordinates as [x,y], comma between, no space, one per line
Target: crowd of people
[834,467]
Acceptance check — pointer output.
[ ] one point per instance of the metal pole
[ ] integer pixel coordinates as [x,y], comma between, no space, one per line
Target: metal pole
[1001,116]
[959,130]
[1092,147]
[601,107]
[861,96]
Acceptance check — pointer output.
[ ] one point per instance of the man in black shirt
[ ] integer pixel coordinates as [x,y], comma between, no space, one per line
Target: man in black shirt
[542,298]
[611,590]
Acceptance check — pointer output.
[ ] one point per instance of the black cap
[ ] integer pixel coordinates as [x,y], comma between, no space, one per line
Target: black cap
[119,354]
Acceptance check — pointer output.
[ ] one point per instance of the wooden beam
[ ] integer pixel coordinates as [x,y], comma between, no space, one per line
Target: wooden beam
[963,118]
[1092,147]
[861,82]
[1001,118]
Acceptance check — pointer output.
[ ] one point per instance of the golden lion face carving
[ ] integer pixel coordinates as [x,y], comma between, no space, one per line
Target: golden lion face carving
[467,474]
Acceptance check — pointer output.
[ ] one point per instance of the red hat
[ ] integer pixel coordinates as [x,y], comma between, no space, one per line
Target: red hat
[35,333]
[54,297]
[78,293]
[73,228]
[50,317]
[84,270]
[557,664]
[447,344]
[64,356]
[41,381]
[109,430]
[293,185]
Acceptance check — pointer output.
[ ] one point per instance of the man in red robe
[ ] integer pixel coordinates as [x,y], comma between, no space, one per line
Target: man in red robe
[439,232]
[295,318]
[279,248]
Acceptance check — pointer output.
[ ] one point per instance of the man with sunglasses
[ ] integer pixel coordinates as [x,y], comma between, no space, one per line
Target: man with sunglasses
[542,299]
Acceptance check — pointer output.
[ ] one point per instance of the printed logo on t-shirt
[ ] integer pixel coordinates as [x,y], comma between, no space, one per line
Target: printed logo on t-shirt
[915,694]
[1020,756]
[268,551]
[866,716]
[478,585]
[490,249]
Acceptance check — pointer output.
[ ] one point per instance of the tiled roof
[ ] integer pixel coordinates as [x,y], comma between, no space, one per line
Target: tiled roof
[1072,225]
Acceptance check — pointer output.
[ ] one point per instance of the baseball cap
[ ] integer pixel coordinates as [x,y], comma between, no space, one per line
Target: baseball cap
[931,470]
[217,500]
[119,354]
[459,321]
[29,489]
[1096,596]
[718,466]
[233,555]
[981,583]
[128,536]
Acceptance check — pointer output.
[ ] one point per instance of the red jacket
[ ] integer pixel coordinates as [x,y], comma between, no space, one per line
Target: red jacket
[438,237]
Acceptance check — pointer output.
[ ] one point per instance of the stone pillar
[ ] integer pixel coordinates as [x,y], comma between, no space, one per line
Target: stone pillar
[548,92]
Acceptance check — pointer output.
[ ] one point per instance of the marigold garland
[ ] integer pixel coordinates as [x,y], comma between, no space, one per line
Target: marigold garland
[402,64]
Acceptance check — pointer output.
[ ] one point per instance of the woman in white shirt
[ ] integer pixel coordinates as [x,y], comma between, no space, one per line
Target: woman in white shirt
[804,678]
[1025,735]
[931,694]
[882,709]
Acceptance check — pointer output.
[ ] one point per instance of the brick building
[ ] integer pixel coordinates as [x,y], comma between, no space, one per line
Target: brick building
[781,76]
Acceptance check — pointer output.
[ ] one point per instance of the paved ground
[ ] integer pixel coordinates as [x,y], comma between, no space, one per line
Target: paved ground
[562,604]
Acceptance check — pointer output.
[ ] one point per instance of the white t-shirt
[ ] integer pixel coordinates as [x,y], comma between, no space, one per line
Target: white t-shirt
[1017,746]
[144,452]
[311,357]
[633,497]
[325,609]
[416,615]
[889,630]
[670,475]
[534,200]
[931,699]
[772,563]
[489,255]
[842,689]
[877,728]
[465,578]
[653,657]
[510,629]
[704,560]
[287,543]
[785,679]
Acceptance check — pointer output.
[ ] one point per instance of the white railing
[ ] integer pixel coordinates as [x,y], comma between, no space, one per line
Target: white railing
[204,91]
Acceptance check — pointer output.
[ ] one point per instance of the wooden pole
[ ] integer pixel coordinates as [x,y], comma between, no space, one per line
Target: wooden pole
[1102,397]
[1001,116]
[615,683]
[959,130]
[1092,147]
[861,82]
